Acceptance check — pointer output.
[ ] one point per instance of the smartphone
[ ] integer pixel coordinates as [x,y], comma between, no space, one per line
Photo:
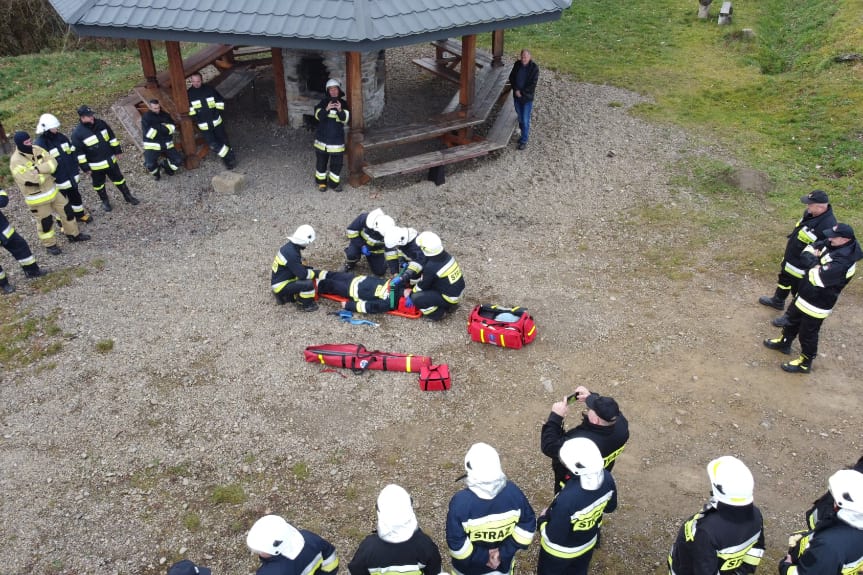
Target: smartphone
[570,399]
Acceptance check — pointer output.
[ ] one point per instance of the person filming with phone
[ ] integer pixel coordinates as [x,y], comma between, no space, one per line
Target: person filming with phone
[602,423]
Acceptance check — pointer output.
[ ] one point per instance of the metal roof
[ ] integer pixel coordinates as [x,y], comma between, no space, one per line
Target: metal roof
[354,25]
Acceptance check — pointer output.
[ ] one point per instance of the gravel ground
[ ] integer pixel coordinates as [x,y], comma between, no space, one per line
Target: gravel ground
[204,415]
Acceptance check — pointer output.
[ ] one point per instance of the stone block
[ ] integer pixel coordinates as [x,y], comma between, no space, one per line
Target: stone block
[228,182]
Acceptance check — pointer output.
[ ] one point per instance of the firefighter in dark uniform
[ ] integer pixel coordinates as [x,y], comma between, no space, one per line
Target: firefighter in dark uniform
[441,286]
[817,217]
[158,129]
[398,545]
[186,567]
[285,550]
[205,109]
[67,174]
[366,238]
[292,280]
[404,257]
[835,545]
[569,528]
[490,520]
[831,265]
[98,150]
[332,115]
[727,536]
[603,424]
[825,506]
[367,294]
[17,246]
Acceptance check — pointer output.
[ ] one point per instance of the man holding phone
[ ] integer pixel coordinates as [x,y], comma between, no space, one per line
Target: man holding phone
[602,423]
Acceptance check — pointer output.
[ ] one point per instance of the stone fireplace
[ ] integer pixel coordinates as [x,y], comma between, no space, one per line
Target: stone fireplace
[307,72]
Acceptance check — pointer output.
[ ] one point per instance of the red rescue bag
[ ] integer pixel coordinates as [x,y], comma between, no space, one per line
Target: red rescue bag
[357,358]
[435,378]
[485,326]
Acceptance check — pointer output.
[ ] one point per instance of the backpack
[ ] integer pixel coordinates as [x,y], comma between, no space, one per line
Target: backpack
[502,326]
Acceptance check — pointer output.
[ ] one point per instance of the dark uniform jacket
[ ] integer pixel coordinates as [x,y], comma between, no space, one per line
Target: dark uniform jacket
[723,539]
[96,145]
[809,229]
[824,507]
[610,439]
[205,106]
[316,555]
[288,267]
[442,274]
[529,87]
[158,130]
[475,525]
[833,548]
[330,135]
[417,555]
[570,526]
[59,146]
[360,235]
[415,259]
[828,275]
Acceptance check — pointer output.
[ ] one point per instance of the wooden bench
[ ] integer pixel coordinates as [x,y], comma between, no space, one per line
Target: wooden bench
[451,46]
[448,57]
[234,80]
[442,69]
[200,59]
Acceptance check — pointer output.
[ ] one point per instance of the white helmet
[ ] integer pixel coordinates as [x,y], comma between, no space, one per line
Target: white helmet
[397,237]
[485,476]
[384,223]
[582,457]
[846,487]
[304,235]
[731,481]
[333,82]
[397,521]
[429,243]
[273,535]
[372,217]
[47,122]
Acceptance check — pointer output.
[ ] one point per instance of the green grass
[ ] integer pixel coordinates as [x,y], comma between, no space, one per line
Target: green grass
[26,337]
[228,494]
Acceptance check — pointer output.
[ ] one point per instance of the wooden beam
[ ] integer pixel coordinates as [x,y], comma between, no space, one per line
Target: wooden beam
[181,100]
[497,48]
[467,86]
[281,89]
[354,85]
[148,63]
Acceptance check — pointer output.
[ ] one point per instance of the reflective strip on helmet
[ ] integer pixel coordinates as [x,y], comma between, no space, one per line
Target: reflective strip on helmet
[562,551]
[811,310]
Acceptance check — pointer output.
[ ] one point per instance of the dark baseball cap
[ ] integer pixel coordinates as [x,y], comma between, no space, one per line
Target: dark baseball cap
[186,567]
[840,231]
[815,197]
[605,407]
[85,111]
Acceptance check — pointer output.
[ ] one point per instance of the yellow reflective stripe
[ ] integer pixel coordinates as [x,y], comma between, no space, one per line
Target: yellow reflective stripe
[522,536]
[40,198]
[330,564]
[811,310]
[451,299]
[103,165]
[561,551]
[54,152]
[851,271]
[400,569]
[328,148]
[277,287]
[464,552]
[46,235]
[8,231]
[815,277]
[611,456]
[171,128]
[806,236]
[91,140]
[794,271]
[151,133]
[152,146]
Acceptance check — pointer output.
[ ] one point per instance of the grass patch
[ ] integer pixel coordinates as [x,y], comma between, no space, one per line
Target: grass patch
[27,338]
[59,279]
[192,521]
[228,494]
[300,471]
[105,345]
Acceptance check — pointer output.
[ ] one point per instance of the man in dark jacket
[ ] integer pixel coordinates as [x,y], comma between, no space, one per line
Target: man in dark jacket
[523,79]
[66,175]
[205,109]
[366,238]
[817,217]
[157,127]
[603,423]
[291,279]
[441,286]
[17,246]
[332,115]
[98,151]
[831,264]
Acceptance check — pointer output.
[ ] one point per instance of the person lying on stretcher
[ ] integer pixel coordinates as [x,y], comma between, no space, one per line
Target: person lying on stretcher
[365,294]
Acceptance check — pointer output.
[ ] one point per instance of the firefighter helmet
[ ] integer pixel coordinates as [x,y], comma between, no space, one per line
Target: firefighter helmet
[731,481]
[273,535]
[398,237]
[846,487]
[333,82]
[397,521]
[583,459]
[303,236]
[47,122]
[384,223]
[372,217]
[429,243]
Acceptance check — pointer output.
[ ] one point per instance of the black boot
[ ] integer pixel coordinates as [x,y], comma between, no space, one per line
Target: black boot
[33,271]
[349,265]
[309,305]
[127,195]
[79,238]
[106,205]
[772,301]
[7,287]
[779,344]
[802,364]
[157,175]
[781,321]
[230,160]
[168,169]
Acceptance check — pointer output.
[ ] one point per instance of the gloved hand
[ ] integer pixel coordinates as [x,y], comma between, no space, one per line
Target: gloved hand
[365,250]
[395,282]
[409,302]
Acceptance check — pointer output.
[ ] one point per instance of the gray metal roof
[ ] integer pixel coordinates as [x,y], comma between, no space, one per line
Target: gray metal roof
[357,25]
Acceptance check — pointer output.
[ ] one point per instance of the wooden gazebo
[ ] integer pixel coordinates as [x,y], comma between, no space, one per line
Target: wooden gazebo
[349,26]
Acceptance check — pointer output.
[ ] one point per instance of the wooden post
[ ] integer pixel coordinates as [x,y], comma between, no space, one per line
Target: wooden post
[148,63]
[467,80]
[354,89]
[281,89]
[181,101]
[497,48]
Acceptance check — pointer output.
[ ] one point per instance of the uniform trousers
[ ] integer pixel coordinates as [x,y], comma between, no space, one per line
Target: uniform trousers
[805,327]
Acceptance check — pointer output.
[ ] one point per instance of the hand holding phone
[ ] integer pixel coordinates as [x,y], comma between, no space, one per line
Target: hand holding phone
[572,398]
